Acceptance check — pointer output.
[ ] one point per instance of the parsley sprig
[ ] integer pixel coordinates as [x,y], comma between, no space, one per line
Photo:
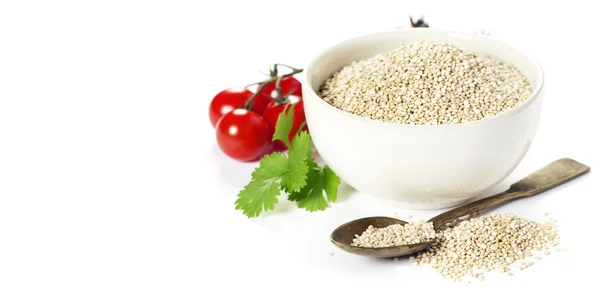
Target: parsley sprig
[296,174]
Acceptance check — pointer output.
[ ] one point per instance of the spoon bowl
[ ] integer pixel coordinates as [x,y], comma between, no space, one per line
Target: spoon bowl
[553,174]
[342,237]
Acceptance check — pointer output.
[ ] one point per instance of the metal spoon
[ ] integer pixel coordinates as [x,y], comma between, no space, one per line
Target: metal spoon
[551,175]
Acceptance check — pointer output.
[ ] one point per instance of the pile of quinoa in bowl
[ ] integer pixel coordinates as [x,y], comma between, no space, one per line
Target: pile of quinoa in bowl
[450,114]
[427,83]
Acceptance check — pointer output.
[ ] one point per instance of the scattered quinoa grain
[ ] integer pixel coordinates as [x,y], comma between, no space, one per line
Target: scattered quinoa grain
[485,244]
[469,247]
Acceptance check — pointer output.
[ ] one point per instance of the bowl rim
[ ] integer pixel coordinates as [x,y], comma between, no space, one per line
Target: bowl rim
[306,80]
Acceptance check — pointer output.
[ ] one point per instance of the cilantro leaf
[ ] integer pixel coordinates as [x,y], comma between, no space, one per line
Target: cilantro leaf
[258,196]
[311,177]
[330,183]
[284,125]
[296,176]
[301,145]
[311,197]
[262,191]
[271,166]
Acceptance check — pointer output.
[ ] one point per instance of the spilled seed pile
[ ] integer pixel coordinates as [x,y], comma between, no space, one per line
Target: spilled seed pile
[427,83]
[477,245]
[395,235]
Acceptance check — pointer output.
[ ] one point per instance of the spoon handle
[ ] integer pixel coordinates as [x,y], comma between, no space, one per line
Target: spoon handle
[549,176]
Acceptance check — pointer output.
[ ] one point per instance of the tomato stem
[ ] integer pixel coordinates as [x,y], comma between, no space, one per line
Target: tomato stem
[287,66]
[419,23]
[270,97]
[252,84]
[278,89]
[300,128]
[283,99]
[263,84]
[273,72]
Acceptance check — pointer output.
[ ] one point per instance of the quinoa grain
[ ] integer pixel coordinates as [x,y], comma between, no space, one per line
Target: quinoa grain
[395,235]
[485,244]
[426,83]
[469,247]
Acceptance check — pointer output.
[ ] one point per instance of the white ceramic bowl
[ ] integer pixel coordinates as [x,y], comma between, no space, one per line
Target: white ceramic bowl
[422,167]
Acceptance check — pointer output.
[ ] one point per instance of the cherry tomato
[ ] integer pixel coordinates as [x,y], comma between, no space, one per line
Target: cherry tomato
[272,114]
[226,101]
[260,103]
[243,135]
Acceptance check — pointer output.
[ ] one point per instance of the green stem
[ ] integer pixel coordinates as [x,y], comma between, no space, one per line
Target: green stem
[278,89]
[263,84]
[300,128]
[287,66]
[252,84]
[274,72]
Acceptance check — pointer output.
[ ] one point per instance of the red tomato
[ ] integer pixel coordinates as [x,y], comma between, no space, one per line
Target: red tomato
[243,135]
[260,103]
[272,114]
[226,101]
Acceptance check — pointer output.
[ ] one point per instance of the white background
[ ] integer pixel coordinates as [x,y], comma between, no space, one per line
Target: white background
[111,180]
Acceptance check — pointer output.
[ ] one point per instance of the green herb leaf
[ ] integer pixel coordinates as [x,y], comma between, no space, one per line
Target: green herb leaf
[296,177]
[311,177]
[297,174]
[262,191]
[330,183]
[284,125]
[311,197]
